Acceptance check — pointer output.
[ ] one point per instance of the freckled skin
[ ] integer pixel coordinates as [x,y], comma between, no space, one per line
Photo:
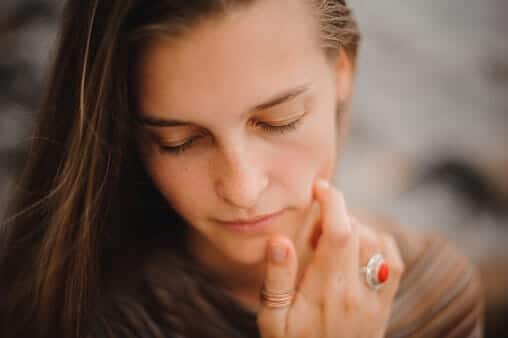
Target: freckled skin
[212,77]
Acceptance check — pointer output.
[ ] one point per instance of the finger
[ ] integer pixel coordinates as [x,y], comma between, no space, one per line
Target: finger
[396,265]
[340,238]
[333,249]
[369,241]
[306,238]
[280,278]
[314,235]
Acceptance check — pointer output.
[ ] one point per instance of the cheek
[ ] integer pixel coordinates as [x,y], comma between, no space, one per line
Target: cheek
[326,169]
[182,186]
[298,166]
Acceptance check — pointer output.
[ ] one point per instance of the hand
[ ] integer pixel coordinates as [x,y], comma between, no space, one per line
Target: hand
[332,298]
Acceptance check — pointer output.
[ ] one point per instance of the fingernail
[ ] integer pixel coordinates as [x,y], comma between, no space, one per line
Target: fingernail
[278,253]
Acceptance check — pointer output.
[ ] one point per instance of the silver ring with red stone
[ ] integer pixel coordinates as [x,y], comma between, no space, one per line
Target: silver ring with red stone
[376,271]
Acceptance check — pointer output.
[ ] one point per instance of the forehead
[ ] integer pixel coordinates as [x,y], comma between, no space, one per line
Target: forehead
[232,61]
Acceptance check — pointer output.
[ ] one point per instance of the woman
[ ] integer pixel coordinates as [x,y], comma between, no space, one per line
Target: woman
[170,130]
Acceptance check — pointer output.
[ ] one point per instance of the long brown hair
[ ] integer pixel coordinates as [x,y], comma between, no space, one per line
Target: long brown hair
[83,203]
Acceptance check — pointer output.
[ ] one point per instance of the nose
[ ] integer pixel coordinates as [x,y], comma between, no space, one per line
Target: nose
[241,178]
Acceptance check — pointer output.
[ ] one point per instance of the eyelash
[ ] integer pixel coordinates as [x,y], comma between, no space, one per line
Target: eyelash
[177,150]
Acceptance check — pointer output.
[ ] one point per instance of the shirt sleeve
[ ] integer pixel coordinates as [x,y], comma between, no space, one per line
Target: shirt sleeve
[440,293]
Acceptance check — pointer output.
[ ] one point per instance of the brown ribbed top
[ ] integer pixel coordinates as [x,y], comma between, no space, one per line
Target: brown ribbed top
[439,296]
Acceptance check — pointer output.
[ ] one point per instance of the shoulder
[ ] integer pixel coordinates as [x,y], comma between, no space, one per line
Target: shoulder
[124,312]
[440,294]
[133,303]
[163,297]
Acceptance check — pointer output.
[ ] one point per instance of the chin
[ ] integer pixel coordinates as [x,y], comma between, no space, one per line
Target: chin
[249,252]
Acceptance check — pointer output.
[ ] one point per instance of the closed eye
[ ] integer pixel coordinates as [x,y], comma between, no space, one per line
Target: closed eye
[179,149]
[279,128]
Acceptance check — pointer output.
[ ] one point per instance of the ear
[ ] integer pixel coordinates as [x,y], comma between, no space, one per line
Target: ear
[343,76]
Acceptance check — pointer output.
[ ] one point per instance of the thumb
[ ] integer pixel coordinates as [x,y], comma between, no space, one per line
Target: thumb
[280,280]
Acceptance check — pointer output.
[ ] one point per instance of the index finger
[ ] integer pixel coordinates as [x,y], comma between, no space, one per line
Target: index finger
[338,246]
[336,254]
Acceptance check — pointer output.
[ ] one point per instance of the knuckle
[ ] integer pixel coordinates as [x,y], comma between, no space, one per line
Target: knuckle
[338,196]
[272,281]
[273,278]
[387,239]
[339,236]
[367,241]
[402,266]
[338,200]
[351,302]
[354,220]
[389,244]
[368,237]
[397,265]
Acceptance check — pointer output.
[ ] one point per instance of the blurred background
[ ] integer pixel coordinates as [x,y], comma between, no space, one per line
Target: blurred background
[429,137]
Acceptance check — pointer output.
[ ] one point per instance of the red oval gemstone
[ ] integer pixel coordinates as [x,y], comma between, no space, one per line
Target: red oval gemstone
[383,272]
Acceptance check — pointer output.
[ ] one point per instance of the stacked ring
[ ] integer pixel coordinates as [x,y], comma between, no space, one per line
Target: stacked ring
[276,299]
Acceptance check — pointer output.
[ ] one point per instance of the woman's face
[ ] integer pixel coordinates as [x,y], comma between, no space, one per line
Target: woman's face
[239,121]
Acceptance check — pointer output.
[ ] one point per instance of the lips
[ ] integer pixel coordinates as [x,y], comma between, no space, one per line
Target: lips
[251,220]
[255,224]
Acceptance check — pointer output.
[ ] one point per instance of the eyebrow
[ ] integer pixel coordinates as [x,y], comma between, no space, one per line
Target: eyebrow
[274,101]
